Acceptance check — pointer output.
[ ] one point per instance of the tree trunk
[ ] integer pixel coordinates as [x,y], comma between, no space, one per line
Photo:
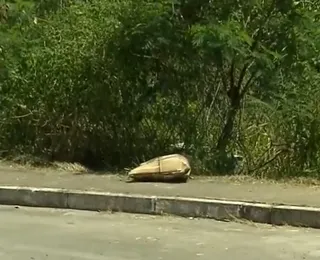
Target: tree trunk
[227,129]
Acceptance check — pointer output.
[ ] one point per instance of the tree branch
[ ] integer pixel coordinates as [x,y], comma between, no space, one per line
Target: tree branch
[247,85]
[243,73]
[232,74]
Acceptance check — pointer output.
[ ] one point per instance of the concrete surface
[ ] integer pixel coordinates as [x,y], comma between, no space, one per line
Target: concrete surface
[158,205]
[215,187]
[39,234]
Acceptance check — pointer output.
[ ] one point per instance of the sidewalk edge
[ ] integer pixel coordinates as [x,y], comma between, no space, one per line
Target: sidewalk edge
[223,210]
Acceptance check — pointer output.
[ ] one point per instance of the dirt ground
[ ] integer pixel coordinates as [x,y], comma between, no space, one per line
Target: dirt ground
[232,188]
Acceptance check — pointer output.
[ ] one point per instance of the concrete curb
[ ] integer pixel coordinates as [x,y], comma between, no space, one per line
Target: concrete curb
[157,205]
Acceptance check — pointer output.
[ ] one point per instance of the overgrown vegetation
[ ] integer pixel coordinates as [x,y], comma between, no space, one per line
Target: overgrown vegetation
[111,83]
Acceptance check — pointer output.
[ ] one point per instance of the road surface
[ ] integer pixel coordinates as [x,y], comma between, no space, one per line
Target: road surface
[48,234]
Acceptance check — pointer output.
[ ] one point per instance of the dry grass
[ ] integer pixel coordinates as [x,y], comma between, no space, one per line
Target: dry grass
[52,166]
[70,167]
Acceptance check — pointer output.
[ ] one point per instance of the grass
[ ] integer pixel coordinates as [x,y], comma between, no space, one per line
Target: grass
[51,166]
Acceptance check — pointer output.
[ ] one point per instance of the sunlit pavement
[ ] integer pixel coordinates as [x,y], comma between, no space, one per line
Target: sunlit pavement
[38,234]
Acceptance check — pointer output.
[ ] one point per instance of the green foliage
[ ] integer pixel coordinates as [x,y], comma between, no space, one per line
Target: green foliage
[115,82]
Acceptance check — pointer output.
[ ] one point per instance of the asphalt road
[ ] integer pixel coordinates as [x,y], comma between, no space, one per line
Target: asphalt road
[40,234]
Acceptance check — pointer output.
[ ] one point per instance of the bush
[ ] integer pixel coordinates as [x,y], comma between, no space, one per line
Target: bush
[111,83]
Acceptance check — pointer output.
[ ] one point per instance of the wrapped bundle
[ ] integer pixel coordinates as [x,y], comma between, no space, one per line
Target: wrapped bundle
[173,167]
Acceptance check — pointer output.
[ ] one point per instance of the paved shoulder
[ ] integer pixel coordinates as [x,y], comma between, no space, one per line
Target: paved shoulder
[28,233]
[217,187]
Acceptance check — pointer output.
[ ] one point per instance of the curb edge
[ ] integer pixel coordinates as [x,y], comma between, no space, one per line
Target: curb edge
[223,210]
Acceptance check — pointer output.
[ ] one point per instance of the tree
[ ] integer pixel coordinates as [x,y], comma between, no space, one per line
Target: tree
[247,43]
